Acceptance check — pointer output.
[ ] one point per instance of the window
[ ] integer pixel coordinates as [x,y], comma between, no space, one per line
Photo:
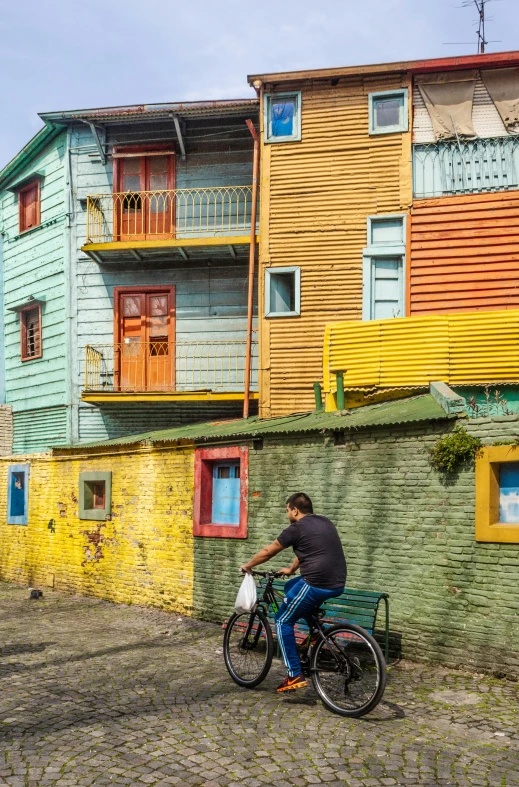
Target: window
[221,489]
[497,494]
[282,292]
[30,332]
[18,494]
[282,117]
[388,112]
[29,206]
[384,268]
[95,495]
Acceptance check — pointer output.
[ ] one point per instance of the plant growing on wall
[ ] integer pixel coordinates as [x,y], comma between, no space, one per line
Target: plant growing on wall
[454,450]
[493,404]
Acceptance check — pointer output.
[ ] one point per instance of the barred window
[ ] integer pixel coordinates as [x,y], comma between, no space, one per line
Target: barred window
[30,325]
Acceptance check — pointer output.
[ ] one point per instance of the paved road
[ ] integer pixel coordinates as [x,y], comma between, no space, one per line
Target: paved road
[97,694]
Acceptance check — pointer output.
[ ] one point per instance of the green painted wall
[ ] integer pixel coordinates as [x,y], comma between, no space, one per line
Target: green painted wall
[34,264]
[405,530]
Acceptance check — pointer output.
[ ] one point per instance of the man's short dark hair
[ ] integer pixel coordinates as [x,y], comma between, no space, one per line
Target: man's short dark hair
[300,501]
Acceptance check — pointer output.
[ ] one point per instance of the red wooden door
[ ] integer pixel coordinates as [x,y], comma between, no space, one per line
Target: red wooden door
[145,336]
[144,206]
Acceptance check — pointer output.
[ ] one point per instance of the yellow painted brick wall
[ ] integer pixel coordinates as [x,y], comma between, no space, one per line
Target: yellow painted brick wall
[143,555]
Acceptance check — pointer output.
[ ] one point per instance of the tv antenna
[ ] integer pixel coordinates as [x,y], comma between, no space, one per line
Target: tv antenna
[479,24]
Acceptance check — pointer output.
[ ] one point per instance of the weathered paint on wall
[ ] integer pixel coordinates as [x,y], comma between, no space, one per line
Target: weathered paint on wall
[464,253]
[34,264]
[316,196]
[405,530]
[143,555]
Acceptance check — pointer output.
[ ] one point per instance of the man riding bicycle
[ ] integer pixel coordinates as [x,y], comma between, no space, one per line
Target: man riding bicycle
[320,558]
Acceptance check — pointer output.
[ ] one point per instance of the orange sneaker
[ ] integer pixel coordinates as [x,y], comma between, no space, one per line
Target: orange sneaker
[289,684]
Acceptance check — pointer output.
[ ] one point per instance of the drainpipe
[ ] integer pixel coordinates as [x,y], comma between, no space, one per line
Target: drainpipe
[252,253]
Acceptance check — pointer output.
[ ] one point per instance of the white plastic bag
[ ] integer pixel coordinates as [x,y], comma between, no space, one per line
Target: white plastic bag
[246,597]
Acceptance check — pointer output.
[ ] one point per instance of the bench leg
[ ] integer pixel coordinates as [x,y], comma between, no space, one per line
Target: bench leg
[386,602]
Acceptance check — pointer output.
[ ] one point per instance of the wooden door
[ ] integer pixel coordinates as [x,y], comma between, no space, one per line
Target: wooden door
[144,205]
[145,336]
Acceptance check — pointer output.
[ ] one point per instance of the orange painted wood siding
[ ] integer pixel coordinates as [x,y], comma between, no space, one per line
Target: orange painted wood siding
[316,196]
[465,253]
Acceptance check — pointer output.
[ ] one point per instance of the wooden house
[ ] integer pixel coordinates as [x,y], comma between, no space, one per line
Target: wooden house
[387,191]
[133,268]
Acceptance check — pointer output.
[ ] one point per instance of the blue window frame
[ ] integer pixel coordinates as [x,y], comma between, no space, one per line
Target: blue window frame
[226,493]
[282,118]
[383,272]
[18,494]
[283,292]
[388,111]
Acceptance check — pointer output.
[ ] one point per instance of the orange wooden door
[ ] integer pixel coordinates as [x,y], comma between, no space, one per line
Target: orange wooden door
[144,203]
[159,179]
[145,334]
[130,205]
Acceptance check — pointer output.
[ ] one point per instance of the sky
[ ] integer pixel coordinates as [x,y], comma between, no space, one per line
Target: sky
[66,54]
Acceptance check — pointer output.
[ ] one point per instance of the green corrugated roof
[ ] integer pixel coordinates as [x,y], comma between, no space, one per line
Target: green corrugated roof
[403,411]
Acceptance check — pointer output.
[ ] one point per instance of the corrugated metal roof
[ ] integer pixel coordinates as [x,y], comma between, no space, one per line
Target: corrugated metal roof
[198,109]
[415,409]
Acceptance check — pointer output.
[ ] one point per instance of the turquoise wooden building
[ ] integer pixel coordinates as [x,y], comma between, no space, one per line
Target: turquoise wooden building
[126,235]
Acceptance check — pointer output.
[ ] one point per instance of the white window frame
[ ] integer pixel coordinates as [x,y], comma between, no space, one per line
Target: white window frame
[377,250]
[399,127]
[267,99]
[296,270]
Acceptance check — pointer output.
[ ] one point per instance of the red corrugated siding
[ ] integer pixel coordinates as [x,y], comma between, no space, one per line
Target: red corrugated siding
[464,253]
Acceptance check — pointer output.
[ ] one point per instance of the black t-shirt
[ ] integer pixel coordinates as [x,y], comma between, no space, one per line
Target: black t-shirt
[317,545]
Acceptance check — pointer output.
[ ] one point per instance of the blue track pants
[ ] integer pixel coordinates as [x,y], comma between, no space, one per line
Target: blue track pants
[300,601]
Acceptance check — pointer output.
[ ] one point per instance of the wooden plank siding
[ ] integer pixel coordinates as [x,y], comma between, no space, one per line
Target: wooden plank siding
[316,196]
[34,265]
[464,253]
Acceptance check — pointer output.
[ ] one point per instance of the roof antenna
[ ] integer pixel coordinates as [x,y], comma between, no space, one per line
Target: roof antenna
[479,24]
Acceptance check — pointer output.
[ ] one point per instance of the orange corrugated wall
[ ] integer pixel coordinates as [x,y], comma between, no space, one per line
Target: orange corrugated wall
[464,253]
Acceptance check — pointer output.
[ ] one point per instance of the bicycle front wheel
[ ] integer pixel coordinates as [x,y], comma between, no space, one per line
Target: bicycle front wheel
[348,670]
[248,648]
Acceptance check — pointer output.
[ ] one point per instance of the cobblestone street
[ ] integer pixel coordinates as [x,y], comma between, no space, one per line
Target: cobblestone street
[98,694]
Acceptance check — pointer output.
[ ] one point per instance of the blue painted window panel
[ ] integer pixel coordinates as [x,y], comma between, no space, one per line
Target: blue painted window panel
[386,288]
[282,292]
[18,495]
[509,493]
[387,231]
[388,112]
[282,113]
[466,167]
[226,493]
[282,118]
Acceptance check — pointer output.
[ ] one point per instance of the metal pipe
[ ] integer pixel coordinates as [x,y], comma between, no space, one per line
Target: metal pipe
[318,397]
[252,254]
[340,390]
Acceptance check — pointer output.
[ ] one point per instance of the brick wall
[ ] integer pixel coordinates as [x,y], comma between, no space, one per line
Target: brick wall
[6,429]
[405,529]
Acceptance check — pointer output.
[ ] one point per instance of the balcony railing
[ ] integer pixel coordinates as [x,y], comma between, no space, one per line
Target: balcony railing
[465,167]
[160,215]
[145,367]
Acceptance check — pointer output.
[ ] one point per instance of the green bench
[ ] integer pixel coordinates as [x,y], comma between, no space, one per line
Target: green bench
[353,606]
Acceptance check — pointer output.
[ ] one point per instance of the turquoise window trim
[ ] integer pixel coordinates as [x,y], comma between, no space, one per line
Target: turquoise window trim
[296,270]
[295,95]
[20,519]
[384,94]
[380,250]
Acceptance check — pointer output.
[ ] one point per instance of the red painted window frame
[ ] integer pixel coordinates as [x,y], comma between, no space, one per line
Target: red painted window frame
[22,207]
[23,333]
[203,497]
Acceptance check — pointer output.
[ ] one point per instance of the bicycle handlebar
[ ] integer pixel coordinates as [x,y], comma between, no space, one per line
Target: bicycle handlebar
[273,574]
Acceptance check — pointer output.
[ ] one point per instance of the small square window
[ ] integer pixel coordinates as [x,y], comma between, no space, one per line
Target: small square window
[283,117]
[221,488]
[29,206]
[388,112]
[497,494]
[30,333]
[18,494]
[282,292]
[95,495]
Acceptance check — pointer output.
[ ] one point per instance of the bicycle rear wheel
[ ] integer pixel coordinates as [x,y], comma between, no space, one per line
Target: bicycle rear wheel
[348,670]
[248,648]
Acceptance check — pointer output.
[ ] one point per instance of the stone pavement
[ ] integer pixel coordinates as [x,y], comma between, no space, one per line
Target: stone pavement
[97,694]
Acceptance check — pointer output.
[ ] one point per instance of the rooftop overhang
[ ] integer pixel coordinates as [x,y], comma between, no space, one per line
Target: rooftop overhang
[494,60]
[113,397]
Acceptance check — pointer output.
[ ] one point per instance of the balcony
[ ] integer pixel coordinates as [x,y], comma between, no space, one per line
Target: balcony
[465,167]
[175,371]
[381,357]
[206,222]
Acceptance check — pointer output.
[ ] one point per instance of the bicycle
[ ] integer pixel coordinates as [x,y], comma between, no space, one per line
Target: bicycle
[345,663]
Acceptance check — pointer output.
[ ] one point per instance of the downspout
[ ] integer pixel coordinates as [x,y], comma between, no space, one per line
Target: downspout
[2,326]
[252,254]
